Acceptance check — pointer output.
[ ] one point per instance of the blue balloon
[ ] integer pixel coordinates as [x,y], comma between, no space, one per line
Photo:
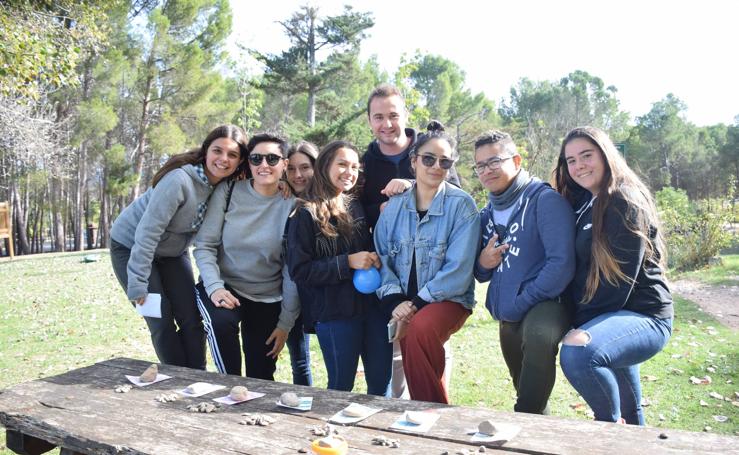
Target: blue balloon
[367,281]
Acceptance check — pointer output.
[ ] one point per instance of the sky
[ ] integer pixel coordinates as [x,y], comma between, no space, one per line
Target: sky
[645,48]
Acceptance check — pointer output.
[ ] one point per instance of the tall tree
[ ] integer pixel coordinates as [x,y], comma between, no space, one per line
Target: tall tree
[299,70]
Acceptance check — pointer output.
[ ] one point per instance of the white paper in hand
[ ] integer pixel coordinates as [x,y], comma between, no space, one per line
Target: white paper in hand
[152,306]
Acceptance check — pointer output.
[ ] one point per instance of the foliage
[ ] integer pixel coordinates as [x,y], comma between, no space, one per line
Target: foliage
[694,232]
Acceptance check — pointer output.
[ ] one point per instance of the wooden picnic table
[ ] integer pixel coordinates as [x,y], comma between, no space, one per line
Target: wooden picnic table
[80,412]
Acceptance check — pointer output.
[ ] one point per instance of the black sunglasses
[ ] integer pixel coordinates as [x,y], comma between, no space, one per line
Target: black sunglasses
[256,159]
[430,160]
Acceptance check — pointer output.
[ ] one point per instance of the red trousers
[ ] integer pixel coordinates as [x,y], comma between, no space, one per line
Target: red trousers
[423,349]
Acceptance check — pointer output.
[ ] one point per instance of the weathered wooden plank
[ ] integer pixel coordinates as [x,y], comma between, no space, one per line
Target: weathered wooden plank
[79,410]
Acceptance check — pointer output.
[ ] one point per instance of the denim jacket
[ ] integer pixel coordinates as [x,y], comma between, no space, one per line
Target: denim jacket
[444,242]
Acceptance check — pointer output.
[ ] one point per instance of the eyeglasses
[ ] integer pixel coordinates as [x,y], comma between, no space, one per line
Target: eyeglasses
[430,160]
[493,164]
[256,159]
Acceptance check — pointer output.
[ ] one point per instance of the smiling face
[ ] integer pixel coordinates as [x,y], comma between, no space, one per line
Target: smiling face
[299,171]
[344,169]
[387,118]
[221,159]
[432,176]
[496,180]
[585,164]
[265,175]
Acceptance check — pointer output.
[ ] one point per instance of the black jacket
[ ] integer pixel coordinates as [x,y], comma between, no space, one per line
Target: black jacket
[378,170]
[649,295]
[324,279]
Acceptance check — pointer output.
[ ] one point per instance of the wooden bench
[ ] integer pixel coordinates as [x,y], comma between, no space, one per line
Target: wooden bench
[80,412]
[6,228]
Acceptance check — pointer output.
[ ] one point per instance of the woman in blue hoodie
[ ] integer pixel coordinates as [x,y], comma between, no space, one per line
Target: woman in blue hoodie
[528,255]
[150,238]
[623,308]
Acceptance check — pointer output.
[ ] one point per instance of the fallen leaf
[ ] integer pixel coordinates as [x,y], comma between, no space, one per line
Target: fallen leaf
[704,380]
[649,377]
[646,402]
[711,369]
[662,417]
[677,356]
[707,428]
[720,418]
[676,370]
[577,406]
[735,403]
[703,403]
[716,395]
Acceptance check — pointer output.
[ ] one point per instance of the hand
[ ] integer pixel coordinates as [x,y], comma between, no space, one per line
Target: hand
[222,298]
[140,300]
[278,337]
[400,331]
[364,260]
[285,189]
[404,312]
[491,255]
[395,186]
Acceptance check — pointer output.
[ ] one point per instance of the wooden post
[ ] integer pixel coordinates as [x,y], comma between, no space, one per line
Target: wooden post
[6,228]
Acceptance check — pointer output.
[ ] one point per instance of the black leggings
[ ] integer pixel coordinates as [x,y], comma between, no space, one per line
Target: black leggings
[258,320]
[182,344]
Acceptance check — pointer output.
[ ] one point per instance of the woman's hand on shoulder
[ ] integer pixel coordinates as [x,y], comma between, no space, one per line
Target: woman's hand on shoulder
[396,186]
[222,298]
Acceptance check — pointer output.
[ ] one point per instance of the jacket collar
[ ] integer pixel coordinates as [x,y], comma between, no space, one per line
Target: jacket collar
[437,204]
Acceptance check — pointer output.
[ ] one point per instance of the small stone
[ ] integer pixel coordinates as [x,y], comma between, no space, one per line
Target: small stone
[707,428]
[716,395]
[487,427]
[663,435]
[150,374]
[302,450]
[290,399]
[354,410]
[239,393]
[122,388]
[481,449]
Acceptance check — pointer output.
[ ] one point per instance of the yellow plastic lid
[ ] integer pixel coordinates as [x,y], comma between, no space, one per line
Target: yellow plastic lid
[341,446]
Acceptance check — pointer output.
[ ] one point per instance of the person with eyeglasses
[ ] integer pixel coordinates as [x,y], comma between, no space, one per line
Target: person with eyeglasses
[151,237]
[239,251]
[328,240]
[528,256]
[423,238]
[387,171]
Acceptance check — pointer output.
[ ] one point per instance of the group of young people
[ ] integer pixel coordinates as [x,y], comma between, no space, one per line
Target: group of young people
[279,230]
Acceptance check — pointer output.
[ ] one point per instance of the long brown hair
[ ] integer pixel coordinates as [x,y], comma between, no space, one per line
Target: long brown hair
[618,181]
[197,155]
[320,196]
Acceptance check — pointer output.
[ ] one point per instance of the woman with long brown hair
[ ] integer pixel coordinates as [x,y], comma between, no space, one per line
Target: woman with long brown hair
[150,239]
[622,307]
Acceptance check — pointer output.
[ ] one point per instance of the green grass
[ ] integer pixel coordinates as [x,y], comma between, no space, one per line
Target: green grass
[58,313]
[726,273]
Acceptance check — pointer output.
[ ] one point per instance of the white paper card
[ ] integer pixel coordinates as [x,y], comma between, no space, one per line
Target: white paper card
[229,401]
[343,419]
[136,381]
[505,432]
[152,307]
[305,404]
[200,388]
[428,419]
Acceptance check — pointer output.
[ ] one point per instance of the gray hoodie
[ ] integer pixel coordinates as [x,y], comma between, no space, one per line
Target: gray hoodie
[159,224]
[243,246]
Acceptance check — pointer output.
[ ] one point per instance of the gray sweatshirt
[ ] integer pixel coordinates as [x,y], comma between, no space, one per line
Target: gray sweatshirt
[243,247]
[159,223]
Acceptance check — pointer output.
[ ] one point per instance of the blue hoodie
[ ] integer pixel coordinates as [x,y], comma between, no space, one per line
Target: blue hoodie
[540,261]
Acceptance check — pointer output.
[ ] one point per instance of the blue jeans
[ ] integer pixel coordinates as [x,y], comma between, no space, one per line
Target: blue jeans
[605,370]
[343,341]
[299,348]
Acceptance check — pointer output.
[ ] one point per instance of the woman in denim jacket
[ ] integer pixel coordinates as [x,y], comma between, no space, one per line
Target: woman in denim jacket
[424,238]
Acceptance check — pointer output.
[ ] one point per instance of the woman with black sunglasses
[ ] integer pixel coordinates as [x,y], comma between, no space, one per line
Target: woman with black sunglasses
[239,251]
[424,238]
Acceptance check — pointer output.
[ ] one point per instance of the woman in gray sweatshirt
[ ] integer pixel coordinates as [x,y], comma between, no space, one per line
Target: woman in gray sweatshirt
[150,238]
[239,251]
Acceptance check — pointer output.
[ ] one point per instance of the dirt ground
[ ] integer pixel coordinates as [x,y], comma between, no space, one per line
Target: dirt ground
[722,301]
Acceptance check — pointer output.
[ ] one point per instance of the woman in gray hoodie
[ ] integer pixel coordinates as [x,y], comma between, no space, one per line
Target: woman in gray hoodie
[150,238]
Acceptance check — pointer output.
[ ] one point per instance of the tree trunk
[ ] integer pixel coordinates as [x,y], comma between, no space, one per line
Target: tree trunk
[138,167]
[57,217]
[19,221]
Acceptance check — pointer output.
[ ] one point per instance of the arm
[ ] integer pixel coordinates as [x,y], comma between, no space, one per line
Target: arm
[556,226]
[209,239]
[390,292]
[304,265]
[481,273]
[455,275]
[628,250]
[166,198]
